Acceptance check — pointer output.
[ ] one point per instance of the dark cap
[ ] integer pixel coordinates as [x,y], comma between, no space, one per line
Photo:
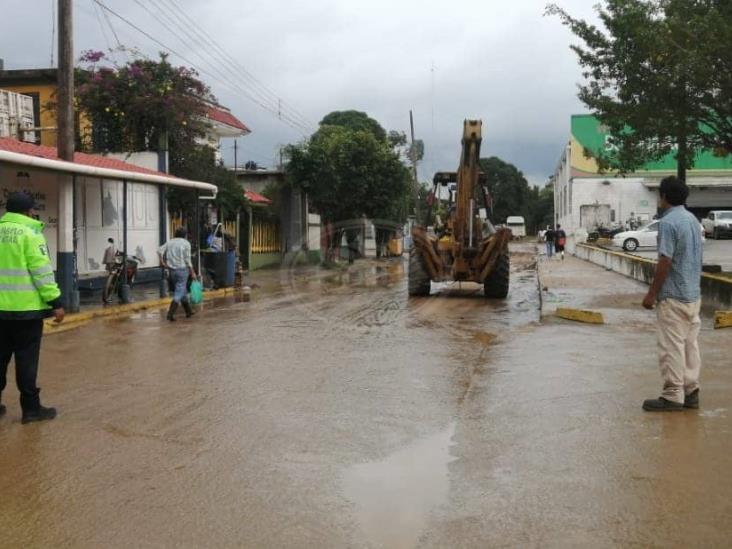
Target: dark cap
[20,203]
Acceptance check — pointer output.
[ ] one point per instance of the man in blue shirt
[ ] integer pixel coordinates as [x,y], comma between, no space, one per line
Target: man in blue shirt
[676,293]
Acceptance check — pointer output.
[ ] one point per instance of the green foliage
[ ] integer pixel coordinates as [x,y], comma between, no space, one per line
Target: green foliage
[659,76]
[198,163]
[355,121]
[138,106]
[349,173]
[512,195]
[130,108]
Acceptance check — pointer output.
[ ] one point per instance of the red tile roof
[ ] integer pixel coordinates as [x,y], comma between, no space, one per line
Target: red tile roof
[256,198]
[50,153]
[225,117]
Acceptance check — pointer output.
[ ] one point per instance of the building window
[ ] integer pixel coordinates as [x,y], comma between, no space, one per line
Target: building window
[36,113]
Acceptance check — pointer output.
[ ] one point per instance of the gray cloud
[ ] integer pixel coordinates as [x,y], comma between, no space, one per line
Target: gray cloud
[500,61]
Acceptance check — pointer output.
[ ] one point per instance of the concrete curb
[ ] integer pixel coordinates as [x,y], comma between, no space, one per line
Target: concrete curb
[78,320]
[580,315]
[722,319]
[716,289]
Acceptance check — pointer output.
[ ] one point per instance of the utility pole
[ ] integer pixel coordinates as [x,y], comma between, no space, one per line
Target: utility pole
[236,161]
[65,256]
[413,158]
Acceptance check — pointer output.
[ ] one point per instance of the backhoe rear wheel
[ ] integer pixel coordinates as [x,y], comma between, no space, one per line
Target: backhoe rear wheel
[419,279]
[495,286]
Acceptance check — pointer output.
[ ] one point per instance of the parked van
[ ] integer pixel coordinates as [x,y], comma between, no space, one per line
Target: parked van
[517,225]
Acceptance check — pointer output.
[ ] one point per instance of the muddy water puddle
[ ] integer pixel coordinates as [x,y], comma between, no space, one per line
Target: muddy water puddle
[395,497]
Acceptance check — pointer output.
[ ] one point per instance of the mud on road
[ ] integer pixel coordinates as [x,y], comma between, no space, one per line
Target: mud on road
[336,412]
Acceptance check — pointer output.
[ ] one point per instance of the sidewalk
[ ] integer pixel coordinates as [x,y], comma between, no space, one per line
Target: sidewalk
[261,282]
[578,284]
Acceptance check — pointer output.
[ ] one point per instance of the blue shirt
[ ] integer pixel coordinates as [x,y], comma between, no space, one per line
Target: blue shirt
[680,239]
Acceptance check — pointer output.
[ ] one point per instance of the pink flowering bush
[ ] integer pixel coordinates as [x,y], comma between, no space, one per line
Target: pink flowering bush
[130,107]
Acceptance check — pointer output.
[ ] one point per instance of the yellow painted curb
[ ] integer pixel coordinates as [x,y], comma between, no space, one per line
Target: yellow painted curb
[77,320]
[578,315]
[722,319]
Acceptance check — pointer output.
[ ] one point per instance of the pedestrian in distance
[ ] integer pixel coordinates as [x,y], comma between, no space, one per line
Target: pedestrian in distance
[560,240]
[676,294]
[28,294]
[549,241]
[110,256]
[175,255]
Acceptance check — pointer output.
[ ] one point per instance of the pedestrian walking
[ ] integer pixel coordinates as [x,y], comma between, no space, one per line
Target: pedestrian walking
[549,241]
[28,294]
[110,256]
[175,255]
[676,294]
[560,240]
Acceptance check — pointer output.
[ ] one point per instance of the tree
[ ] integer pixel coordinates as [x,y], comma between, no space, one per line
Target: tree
[137,106]
[349,173]
[508,187]
[146,104]
[355,121]
[512,195]
[647,81]
[199,164]
[709,22]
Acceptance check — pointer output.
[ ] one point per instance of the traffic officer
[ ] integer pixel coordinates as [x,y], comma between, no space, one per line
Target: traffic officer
[28,294]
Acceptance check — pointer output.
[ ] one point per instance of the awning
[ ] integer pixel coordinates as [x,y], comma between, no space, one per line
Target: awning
[256,198]
[695,182]
[45,158]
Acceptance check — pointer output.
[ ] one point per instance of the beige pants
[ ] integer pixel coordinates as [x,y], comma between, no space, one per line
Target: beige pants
[678,330]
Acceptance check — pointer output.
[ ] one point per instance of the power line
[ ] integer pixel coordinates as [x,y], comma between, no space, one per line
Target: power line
[111,27]
[188,23]
[238,89]
[95,8]
[53,29]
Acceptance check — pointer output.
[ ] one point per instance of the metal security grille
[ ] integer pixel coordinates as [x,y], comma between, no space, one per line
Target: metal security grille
[265,237]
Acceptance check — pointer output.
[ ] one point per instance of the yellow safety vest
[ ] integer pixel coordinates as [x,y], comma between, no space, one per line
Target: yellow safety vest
[27,282]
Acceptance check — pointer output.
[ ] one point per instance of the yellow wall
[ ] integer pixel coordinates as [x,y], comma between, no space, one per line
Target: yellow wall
[46,93]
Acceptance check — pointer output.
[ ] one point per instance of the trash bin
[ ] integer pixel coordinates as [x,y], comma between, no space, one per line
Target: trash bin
[221,267]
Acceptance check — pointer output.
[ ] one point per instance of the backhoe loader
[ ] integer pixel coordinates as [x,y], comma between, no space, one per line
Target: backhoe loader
[465,246]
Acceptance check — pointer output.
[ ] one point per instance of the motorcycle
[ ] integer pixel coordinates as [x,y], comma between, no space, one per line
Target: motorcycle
[115,279]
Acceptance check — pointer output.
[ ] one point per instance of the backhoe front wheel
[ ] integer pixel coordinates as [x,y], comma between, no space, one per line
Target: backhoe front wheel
[495,285]
[419,279]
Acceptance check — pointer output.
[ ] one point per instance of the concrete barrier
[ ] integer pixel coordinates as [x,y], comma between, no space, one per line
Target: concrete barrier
[716,289]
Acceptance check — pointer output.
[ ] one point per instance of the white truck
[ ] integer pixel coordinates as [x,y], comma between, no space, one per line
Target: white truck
[517,225]
[718,223]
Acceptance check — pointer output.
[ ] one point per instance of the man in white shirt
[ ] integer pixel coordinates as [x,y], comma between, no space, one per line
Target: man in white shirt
[175,255]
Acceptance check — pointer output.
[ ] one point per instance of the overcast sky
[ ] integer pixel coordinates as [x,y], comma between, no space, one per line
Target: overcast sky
[498,60]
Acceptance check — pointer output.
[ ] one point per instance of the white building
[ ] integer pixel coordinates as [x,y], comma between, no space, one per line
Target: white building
[584,198]
[101,208]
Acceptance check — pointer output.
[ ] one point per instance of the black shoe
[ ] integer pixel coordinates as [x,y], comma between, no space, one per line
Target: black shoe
[661,405]
[171,311]
[692,400]
[187,308]
[40,414]
[3,409]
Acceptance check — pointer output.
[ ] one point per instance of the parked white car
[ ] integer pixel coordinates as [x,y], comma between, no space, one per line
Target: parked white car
[718,223]
[644,237]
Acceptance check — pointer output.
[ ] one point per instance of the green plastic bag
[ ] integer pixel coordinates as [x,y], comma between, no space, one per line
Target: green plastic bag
[196,292]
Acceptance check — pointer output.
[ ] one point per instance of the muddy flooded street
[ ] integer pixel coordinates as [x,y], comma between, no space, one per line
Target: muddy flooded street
[333,411]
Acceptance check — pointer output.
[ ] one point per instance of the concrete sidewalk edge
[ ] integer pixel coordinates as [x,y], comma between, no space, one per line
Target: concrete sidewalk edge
[716,289]
[77,320]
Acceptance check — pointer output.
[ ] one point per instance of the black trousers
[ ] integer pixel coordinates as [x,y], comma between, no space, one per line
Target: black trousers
[21,338]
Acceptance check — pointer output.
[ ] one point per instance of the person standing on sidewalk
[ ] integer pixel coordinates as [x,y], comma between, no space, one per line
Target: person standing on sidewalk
[676,294]
[110,256]
[28,294]
[560,239]
[175,255]
[549,242]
